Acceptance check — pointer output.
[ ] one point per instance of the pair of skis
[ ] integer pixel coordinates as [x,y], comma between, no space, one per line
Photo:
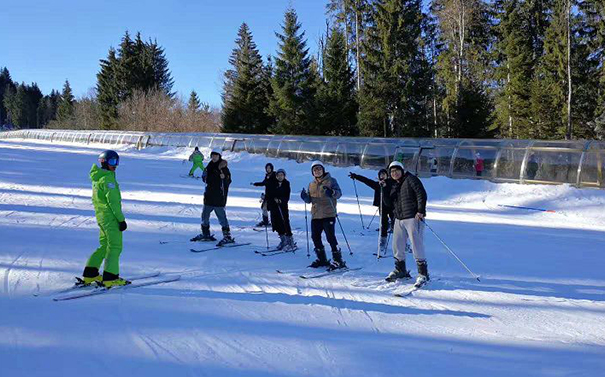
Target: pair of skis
[229,245]
[80,291]
[325,273]
[275,251]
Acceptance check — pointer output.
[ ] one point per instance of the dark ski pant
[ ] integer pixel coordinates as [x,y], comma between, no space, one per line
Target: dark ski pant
[327,225]
[281,226]
[386,216]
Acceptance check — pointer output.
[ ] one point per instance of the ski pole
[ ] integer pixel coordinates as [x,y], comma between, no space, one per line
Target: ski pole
[307,226]
[450,250]
[267,234]
[378,256]
[341,228]
[358,205]
[372,220]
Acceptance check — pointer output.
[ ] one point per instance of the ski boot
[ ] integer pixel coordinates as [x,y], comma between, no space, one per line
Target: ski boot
[400,272]
[205,235]
[290,244]
[423,274]
[112,280]
[89,276]
[337,262]
[321,260]
[282,242]
[227,239]
[263,223]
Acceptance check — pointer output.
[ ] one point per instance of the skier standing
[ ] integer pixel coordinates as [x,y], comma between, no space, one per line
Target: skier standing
[279,195]
[479,164]
[323,193]
[387,212]
[198,161]
[107,201]
[217,178]
[268,182]
[407,196]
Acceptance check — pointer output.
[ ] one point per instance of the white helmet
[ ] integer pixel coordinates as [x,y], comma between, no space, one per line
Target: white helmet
[217,151]
[317,163]
[396,164]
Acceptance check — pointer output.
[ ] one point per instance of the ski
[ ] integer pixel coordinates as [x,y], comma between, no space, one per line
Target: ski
[277,253]
[267,251]
[77,286]
[220,247]
[189,176]
[411,289]
[328,273]
[101,290]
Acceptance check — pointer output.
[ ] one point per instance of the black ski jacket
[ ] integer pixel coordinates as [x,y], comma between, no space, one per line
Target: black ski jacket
[407,197]
[217,189]
[269,182]
[373,185]
[281,192]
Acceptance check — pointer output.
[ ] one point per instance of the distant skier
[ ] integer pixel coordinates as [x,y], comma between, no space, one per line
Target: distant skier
[107,201]
[433,165]
[279,195]
[217,178]
[407,196]
[479,164]
[198,161]
[532,167]
[323,193]
[386,216]
[268,182]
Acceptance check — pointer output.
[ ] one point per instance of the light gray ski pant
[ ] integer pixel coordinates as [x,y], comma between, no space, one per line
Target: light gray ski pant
[414,229]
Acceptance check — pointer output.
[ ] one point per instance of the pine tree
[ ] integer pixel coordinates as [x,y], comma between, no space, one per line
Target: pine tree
[293,81]
[245,92]
[336,97]
[594,33]
[194,103]
[550,89]
[514,69]
[463,69]
[393,99]
[6,83]
[135,66]
[65,111]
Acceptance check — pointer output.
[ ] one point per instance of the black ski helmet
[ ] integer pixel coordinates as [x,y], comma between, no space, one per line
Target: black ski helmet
[270,164]
[109,158]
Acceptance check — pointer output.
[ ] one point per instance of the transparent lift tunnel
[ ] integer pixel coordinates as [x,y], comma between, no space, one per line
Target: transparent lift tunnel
[580,163]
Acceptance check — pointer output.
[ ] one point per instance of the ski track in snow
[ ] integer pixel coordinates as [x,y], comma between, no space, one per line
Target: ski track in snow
[537,311]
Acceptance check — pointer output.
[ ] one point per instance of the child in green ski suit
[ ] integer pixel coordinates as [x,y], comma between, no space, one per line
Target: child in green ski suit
[198,161]
[107,201]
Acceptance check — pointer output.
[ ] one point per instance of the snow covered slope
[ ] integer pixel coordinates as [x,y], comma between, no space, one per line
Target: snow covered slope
[539,309]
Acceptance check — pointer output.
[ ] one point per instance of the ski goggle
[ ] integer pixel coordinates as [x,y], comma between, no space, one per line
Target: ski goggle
[111,162]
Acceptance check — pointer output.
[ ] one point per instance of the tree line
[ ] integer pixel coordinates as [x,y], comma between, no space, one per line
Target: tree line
[388,68]
[133,92]
[459,68]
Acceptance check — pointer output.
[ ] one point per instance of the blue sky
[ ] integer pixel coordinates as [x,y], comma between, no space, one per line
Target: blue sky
[48,42]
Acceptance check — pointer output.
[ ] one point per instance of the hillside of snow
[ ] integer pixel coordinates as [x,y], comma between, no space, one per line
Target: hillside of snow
[539,309]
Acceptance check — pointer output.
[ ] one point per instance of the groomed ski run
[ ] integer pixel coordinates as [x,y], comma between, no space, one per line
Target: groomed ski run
[538,310]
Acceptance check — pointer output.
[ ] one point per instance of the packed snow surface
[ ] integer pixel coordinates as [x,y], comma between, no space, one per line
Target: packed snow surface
[539,309]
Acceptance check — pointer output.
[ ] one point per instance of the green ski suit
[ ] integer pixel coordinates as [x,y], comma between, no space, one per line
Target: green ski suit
[107,201]
[198,161]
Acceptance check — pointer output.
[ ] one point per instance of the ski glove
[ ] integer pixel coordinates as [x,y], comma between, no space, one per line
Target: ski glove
[329,192]
[123,226]
[304,196]
[353,176]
